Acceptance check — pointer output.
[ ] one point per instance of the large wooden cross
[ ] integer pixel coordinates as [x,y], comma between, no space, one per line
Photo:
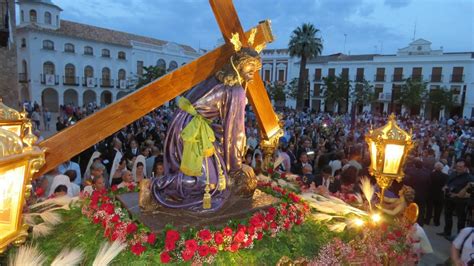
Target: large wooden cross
[96,127]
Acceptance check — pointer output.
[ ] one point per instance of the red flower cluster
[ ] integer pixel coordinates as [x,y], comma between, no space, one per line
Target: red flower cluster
[207,243]
[101,210]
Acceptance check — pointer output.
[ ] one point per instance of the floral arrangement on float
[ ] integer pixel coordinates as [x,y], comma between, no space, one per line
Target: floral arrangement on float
[201,246]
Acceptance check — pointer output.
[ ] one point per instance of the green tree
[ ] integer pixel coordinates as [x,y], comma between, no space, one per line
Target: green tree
[412,93]
[364,93]
[292,88]
[277,91]
[305,45]
[440,98]
[336,91]
[150,73]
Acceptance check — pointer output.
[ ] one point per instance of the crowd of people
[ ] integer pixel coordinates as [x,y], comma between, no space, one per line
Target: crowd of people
[327,151]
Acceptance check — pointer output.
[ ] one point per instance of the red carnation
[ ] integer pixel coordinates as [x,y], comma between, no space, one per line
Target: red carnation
[298,221]
[270,171]
[248,242]
[273,225]
[213,250]
[105,198]
[131,187]
[293,197]
[138,249]
[203,250]
[227,231]
[108,208]
[239,236]
[191,244]
[205,235]
[272,211]
[131,228]
[170,245]
[391,236]
[39,192]
[151,239]
[269,217]
[114,188]
[115,218]
[165,257]
[187,254]
[218,238]
[172,235]
[234,247]
[96,220]
[251,230]
[283,175]
[398,233]
[259,235]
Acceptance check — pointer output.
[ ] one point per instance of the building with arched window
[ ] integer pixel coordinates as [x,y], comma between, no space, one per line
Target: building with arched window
[79,63]
[385,73]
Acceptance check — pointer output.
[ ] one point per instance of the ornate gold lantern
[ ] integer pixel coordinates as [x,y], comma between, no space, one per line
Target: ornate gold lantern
[19,160]
[12,120]
[388,148]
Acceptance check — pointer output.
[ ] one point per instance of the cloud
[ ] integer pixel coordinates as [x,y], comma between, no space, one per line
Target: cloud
[367,23]
[397,3]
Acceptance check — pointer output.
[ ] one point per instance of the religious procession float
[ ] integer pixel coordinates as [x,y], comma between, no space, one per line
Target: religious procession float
[209,207]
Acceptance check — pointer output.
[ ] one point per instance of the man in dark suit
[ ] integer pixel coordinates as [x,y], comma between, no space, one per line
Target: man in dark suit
[110,156]
[302,161]
[435,197]
[418,178]
[325,179]
[455,184]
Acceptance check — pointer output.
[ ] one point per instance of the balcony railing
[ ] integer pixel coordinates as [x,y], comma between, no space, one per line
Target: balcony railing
[107,83]
[397,78]
[385,97]
[318,78]
[49,79]
[23,77]
[89,82]
[436,78]
[457,78]
[71,80]
[122,84]
[359,78]
[379,78]
[416,77]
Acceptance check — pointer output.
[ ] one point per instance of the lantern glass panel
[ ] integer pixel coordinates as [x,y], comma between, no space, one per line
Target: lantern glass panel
[11,189]
[393,158]
[13,128]
[373,155]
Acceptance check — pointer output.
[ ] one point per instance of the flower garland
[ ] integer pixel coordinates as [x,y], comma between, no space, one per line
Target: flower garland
[374,245]
[101,208]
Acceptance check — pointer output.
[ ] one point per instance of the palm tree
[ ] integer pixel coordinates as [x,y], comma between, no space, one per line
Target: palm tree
[304,44]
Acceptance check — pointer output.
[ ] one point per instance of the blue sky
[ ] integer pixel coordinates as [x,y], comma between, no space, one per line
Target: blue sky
[380,26]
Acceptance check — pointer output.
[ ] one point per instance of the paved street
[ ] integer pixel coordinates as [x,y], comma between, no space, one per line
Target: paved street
[441,246]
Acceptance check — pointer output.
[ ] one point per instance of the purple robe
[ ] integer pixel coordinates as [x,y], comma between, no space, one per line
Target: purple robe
[225,107]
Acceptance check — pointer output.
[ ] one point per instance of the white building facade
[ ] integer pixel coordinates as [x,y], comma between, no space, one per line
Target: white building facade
[452,71]
[63,62]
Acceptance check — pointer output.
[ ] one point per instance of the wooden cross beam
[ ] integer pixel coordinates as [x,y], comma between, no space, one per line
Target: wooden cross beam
[96,127]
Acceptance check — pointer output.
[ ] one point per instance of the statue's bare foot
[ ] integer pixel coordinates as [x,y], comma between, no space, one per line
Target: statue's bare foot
[244,181]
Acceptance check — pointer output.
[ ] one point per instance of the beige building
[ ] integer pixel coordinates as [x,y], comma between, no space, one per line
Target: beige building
[8,55]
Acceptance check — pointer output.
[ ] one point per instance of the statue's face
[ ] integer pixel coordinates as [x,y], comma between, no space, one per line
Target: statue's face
[248,71]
